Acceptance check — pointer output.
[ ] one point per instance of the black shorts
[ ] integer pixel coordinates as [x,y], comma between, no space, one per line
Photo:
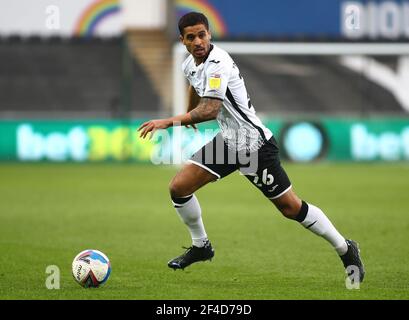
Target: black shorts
[262,168]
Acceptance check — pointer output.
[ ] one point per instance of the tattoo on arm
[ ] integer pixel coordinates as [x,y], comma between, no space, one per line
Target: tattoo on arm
[206,110]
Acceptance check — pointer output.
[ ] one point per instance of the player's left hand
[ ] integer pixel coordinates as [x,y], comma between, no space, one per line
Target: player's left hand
[152,126]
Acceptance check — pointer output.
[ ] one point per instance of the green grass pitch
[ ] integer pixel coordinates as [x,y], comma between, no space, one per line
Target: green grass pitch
[50,212]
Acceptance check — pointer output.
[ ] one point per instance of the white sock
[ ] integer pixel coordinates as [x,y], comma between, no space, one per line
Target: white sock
[190,212]
[317,222]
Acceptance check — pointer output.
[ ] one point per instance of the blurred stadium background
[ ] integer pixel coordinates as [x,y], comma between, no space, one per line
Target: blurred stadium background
[67,66]
[330,78]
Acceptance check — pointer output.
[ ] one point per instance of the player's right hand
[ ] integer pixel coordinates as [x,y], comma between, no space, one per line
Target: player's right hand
[193,126]
[152,126]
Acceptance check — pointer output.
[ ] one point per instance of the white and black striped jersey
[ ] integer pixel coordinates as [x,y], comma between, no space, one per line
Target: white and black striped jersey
[219,77]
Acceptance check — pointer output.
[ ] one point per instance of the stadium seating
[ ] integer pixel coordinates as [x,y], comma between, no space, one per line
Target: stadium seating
[69,78]
[74,78]
[306,84]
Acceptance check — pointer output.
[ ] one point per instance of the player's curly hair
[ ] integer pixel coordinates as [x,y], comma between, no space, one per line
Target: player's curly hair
[192,19]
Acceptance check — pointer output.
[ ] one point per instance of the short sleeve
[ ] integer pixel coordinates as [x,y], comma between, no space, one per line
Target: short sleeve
[217,78]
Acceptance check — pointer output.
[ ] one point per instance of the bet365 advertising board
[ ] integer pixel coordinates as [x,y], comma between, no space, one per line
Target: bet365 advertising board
[331,139]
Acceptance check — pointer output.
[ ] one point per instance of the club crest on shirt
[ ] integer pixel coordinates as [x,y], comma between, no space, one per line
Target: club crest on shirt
[215,81]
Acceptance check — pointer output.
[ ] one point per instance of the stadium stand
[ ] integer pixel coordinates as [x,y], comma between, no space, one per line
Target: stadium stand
[153,50]
[62,78]
[73,78]
[310,84]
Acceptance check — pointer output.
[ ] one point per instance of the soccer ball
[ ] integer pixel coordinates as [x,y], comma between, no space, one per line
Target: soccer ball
[91,268]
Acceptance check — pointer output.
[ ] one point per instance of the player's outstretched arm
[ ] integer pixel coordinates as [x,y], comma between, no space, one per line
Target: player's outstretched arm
[207,109]
[152,126]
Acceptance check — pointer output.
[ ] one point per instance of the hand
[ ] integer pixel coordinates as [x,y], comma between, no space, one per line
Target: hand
[152,126]
[193,126]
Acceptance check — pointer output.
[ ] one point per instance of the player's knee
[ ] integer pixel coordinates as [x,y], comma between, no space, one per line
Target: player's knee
[288,204]
[289,209]
[177,188]
[174,189]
